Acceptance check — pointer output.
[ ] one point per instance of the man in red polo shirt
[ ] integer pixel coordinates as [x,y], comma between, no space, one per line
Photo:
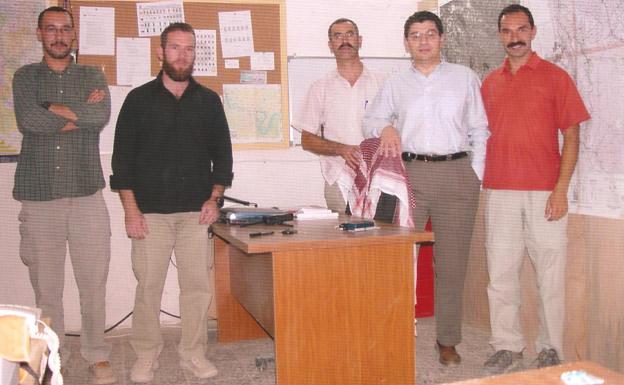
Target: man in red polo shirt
[528,101]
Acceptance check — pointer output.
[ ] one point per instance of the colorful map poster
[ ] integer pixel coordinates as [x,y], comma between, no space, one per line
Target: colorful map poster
[19,46]
[254,112]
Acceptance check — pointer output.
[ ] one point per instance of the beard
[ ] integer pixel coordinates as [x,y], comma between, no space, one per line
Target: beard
[178,75]
[66,50]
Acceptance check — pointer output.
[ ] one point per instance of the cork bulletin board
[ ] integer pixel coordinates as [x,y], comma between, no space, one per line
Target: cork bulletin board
[257,120]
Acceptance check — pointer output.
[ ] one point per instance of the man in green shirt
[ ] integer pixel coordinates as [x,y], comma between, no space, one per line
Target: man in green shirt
[60,108]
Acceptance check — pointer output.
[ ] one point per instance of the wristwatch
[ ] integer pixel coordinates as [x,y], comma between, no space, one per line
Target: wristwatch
[46,105]
[220,201]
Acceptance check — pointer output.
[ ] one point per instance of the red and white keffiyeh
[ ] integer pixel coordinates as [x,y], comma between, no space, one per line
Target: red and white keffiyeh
[377,173]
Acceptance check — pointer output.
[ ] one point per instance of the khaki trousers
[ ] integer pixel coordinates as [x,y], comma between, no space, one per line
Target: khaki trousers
[448,193]
[47,229]
[182,233]
[514,223]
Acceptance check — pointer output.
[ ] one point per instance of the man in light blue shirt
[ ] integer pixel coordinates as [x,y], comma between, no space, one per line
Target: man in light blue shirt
[432,116]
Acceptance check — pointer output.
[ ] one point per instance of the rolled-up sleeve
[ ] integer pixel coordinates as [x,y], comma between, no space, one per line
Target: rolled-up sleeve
[94,116]
[31,117]
[309,116]
[380,113]
[478,132]
[222,152]
[123,160]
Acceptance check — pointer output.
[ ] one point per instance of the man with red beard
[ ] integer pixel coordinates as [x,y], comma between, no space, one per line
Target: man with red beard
[330,119]
[172,161]
[60,108]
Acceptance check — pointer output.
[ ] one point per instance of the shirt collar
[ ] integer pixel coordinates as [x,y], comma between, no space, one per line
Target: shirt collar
[438,68]
[532,63]
[69,69]
[191,86]
[365,74]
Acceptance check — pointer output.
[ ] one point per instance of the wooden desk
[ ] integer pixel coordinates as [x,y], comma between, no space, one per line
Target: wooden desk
[340,306]
[549,376]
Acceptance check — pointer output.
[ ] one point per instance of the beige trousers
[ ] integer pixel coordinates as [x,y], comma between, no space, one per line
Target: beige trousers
[182,233]
[514,223]
[47,229]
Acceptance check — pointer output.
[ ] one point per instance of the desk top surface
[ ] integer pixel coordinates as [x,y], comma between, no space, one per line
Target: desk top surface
[549,376]
[314,234]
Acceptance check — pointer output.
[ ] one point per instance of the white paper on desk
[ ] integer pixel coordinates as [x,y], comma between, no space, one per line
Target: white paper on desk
[133,61]
[97,31]
[236,34]
[154,17]
[263,61]
[205,52]
[107,136]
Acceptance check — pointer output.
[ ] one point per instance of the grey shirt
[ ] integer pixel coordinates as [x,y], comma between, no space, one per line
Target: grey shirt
[55,164]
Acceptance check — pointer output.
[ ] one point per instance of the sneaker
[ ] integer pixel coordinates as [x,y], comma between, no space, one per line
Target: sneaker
[200,367]
[143,370]
[548,357]
[503,361]
[102,373]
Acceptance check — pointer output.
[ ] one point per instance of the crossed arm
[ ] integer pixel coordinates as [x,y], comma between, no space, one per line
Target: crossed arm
[64,111]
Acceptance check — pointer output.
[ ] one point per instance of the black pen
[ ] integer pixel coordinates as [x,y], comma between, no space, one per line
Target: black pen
[259,234]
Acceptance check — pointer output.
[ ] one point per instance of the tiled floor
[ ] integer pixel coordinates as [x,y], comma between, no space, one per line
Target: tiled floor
[237,361]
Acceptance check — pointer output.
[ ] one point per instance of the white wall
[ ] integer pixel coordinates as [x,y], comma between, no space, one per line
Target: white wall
[380,23]
[271,178]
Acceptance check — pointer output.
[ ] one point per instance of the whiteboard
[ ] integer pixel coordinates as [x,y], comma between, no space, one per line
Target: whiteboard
[303,71]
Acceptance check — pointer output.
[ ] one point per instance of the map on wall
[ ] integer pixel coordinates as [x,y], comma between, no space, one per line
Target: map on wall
[18,21]
[471,34]
[253,112]
[587,39]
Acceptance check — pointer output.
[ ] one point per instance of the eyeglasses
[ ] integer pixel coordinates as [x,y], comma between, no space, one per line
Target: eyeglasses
[430,34]
[343,35]
[51,30]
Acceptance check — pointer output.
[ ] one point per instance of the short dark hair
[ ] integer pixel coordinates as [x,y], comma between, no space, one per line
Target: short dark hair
[420,17]
[514,8]
[340,21]
[184,27]
[53,9]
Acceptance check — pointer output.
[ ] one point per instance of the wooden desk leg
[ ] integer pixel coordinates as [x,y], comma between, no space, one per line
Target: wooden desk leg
[345,316]
[234,322]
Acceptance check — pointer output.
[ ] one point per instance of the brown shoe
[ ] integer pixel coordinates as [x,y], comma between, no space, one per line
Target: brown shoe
[102,373]
[448,355]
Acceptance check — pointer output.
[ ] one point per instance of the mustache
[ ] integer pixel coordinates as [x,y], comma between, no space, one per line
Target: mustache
[345,45]
[516,44]
[59,43]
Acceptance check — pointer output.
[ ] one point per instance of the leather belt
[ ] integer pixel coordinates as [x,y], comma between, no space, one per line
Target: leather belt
[409,156]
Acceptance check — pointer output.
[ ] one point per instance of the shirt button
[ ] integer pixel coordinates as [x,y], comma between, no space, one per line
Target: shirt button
[61,91]
[58,167]
[58,147]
